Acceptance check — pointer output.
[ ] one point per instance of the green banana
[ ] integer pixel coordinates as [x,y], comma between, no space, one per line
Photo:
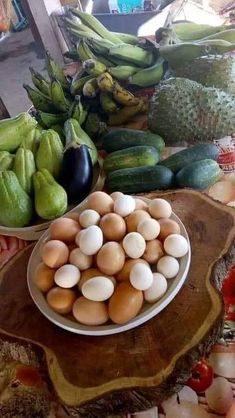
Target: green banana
[226,35]
[93,67]
[74,24]
[55,71]
[187,51]
[49,119]
[80,34]
[132,53]
[39,100]
[84,51]
[94,127]
[58,97]
[148,76]
[90,88]
[187,31]
[76,110]
[78,83]
[100,46]
[40,82]
[107,102]
[123,72]
[127,38]
[94,24]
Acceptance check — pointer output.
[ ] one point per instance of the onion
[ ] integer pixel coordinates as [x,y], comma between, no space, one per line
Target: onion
[185,394]
[219,395]
[224,191]
[223,364]
[187,410]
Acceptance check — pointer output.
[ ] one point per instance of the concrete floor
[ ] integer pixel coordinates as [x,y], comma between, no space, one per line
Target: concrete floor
[18,52]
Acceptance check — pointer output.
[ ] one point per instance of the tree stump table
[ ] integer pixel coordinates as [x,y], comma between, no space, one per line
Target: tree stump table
[134,370]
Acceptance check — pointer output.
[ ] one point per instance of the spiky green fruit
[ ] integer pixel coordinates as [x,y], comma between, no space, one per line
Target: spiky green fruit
[211,71]
[183,111]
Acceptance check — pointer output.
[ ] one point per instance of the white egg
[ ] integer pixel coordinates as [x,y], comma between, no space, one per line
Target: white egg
[219,395]
[67,276]
[157,288]
[176,245]
[90,240]
[115,195]
[149,229]
[98,288]
[80,260]
[168,266]
[160,208]
[124,205]
[141,276]
[134,245]
[88,218]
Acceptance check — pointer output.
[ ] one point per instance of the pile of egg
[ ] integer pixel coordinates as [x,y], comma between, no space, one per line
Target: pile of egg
[103,264]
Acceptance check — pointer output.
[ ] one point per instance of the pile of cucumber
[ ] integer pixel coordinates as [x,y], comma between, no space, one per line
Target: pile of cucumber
[134,164]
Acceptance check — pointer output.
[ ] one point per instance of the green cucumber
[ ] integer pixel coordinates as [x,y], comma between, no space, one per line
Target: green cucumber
[195,153]
[121,138]
[131,157]
[199,174]
[140,179]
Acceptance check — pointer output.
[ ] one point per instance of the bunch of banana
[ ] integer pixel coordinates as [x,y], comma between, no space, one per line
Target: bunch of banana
[184,42]
[118,103]
[53,99]
[122,54]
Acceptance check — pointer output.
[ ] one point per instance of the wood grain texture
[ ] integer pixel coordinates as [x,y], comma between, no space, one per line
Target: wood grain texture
[132,371]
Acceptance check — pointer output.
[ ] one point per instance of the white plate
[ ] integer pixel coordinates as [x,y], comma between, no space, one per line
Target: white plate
[148,311]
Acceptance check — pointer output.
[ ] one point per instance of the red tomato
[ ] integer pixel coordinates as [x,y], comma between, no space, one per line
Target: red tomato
[201,378]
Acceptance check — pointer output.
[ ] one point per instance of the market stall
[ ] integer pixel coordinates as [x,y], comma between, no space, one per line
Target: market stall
[135,151]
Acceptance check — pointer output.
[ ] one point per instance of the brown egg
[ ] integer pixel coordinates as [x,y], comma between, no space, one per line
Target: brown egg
[140,204]
[101,202]
[113,226]
[73,215]
[124,274]
[55,253]
[135,218]
[88,274]
[168,227]
[64,229]
[88,312]
[111,258]
[125,303]
[44,277]
[61,300]
[154,251]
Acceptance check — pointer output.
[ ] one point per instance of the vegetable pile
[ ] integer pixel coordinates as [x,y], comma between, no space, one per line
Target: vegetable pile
[38,175]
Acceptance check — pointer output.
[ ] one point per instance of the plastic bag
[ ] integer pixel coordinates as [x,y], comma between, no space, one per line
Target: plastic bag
[5,15]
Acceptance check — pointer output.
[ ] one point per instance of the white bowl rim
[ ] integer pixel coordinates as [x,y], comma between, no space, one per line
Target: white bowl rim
[150,311]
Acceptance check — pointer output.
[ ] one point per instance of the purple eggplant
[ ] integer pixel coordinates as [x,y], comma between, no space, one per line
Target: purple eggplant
[76,172]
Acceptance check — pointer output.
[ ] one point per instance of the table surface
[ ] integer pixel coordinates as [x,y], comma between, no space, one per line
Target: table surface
[221,357]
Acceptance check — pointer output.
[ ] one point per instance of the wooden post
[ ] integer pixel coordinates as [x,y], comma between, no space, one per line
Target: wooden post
[38,14]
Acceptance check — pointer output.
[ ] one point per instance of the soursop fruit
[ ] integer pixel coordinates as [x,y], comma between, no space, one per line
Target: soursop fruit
[212,70]
[183,111]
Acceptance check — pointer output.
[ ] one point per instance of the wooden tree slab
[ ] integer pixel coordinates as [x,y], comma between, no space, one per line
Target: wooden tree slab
[132,371]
